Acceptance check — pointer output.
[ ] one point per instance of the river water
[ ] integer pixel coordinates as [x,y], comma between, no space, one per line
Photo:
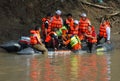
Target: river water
[61,67]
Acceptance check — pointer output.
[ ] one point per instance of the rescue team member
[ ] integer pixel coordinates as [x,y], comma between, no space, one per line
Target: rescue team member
[74,28]
[46,25]
[65,32]
[62,36]
[61,31]
[82,36]
[69,21]
[56,20]
[74,42]
[35,40]
[51,40]
[104,32]
[91,38]
[54,35]
[84,22]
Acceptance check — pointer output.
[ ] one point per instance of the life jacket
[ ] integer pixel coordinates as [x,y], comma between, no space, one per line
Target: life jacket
[70,22]
[102,31]
[83,24]
[91,40]
[33,37]
[60,31]
[43,25]
[75,42]
[48,37]
[74,30]
[56,22]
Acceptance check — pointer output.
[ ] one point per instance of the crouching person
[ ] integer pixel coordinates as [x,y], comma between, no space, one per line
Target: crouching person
[36,42]
[51,40]
[73,42]
[91,39]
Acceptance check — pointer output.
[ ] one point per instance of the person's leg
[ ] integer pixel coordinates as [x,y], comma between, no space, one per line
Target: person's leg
[93,47]
[98,39]
[90,47]
[41,47]
[53,44]
[45,51]
[105,39]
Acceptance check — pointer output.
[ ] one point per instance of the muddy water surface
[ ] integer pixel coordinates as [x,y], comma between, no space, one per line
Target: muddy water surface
[62,67]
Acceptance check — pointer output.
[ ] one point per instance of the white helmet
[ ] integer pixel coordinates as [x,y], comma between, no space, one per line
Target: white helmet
[83,15]
[58,12]
[76,22]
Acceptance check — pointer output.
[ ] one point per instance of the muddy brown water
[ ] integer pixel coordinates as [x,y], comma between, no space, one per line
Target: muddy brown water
[61,67]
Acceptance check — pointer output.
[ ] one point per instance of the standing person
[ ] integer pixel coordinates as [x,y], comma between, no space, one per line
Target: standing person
[91,38]
[84,22]
[69,21]
[104,32]
[56,20]
[74,29]
[35,40]
[46,25]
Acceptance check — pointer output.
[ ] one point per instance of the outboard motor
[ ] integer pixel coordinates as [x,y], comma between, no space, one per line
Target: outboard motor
[24,42]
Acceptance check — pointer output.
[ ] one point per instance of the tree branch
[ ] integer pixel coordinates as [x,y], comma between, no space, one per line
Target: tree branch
[95,5]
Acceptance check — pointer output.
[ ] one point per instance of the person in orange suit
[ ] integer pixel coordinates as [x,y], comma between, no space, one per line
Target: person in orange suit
[74,29]
[73,42]
[69,21]
[51,40]
[36,42]
[104,32]
[56,20]
[84,22]
[91,38]
[46,25]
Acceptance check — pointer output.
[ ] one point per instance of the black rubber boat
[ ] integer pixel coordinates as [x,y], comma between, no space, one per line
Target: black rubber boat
[22,48]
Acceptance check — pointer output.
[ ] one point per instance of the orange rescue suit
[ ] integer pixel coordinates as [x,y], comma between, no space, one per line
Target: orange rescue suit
[43,25]
[48,37]
[70,22]
[74,30]
[102,31]
[91,34]
[56,22]
[33,37]
[83,25]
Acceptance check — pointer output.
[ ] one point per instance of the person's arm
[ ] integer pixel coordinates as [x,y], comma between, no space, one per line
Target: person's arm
[108,34]
[66,42]
[89,36]
[46,27]
[62,21]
